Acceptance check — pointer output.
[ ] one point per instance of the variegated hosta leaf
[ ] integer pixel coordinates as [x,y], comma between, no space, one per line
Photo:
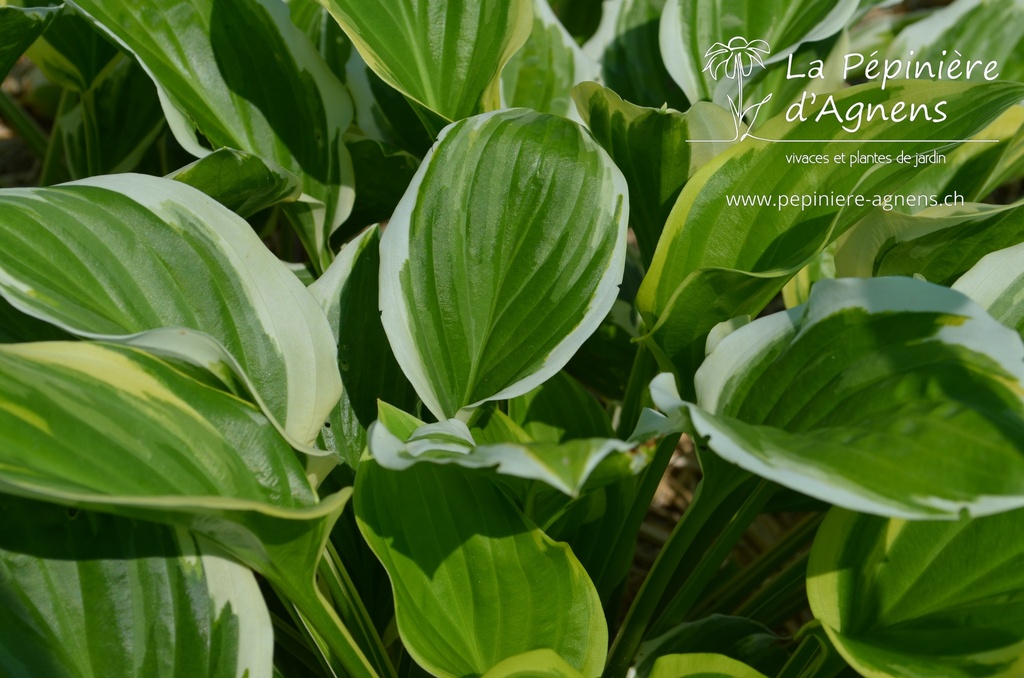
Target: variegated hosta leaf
[977,29]
[242,182]
[917,410]
[503,256]
[698,43]
[654,150]
[908,599]
[93,594]
[542,74]
[117,429]
[626,46]
[154,263]
[701,666]
[474,581]
[997,283]
[717,260]
[940,243]
[973,170]
[239,73]
[565,466]
[444,54]
[348,293]
[310,17]
[382,113]
[19,28]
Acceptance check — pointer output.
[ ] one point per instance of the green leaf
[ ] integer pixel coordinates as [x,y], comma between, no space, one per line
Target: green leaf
[474,582]
[921,598]
[118,430]
[701,666]
[446,55]
[542,74]
[107,128]
[71,53]
[559,410]
[916,410]
[242,182]
[741,639]
[19,28]
[973,170]
[348,293]
[564,466]
[654,149]
[240,74]
[177,450]
[16,327]
[716,261]
[626,46]
[691,28]
[940,244]
[310,17]
[91,594]
[534,664]
[383,172]
[154,263]
[997,283]
[977,29]
[798,290]
[468,252]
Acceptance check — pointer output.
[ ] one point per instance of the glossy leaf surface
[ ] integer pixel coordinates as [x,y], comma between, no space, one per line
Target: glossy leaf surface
[503,256]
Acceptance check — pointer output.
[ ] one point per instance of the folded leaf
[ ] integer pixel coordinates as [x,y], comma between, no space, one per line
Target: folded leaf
[564,466]
[94,594]
[916,411]
[114,257]
[508,209]
[242,182]
[444,54]
[924,598]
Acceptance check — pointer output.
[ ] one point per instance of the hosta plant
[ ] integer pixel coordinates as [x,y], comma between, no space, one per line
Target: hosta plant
[353,338]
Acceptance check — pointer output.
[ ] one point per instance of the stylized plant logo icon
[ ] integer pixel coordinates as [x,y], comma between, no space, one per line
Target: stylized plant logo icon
[737,60]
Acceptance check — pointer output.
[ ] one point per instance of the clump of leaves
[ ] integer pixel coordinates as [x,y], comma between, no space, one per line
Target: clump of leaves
[427,442]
